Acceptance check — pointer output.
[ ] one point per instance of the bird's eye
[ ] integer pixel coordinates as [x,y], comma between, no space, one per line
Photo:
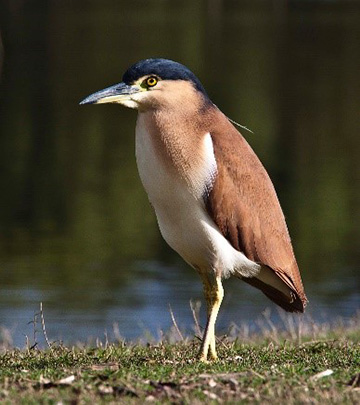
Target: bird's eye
[151,81]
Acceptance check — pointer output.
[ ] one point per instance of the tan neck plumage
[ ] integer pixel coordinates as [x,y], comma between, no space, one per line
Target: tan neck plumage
[178,137]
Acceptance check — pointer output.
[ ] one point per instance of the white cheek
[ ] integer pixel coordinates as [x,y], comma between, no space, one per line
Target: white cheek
[129,103]
[139,97]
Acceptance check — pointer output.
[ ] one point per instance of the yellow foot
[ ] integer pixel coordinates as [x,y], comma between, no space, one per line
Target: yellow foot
[214,357]
[204,359]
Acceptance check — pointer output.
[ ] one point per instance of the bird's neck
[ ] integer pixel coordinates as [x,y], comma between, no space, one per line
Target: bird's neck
[179,138]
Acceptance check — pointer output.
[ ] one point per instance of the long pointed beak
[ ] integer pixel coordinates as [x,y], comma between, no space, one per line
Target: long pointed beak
[113,94]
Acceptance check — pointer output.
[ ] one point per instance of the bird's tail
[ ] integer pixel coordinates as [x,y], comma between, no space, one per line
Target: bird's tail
[279,289]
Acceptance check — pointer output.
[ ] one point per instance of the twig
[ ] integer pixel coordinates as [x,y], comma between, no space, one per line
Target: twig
[196,320]
[117,334]
[43,327]
[106,339]
[27,343]
[267,316]
[175,324]
[257,374]
[315,342]
[300,330]
[34,322]
[221,341]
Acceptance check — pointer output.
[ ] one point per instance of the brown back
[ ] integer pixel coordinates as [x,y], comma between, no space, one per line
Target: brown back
[244,205]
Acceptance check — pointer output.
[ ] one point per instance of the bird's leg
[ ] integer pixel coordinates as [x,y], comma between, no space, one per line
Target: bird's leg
[214,294]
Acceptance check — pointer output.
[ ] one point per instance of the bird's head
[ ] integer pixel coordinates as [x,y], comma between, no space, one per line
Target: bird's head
[153,83]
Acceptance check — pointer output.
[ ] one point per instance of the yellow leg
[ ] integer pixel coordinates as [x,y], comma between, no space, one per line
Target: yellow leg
[214,294]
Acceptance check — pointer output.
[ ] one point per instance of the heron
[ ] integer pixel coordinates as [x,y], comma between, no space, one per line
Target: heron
[214,202]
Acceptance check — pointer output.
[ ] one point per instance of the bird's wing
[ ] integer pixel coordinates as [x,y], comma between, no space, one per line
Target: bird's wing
[244,205]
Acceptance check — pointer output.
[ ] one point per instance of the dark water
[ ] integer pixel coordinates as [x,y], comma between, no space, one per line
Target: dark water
[76,230]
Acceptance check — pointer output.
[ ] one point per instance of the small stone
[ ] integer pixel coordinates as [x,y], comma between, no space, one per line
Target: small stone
[105,390]
[67,380]
[322,374]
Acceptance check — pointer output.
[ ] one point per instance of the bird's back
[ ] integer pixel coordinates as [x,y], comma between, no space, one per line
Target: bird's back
[244,205]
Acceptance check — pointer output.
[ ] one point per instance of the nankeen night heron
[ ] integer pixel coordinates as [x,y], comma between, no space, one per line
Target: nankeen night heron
[214,201]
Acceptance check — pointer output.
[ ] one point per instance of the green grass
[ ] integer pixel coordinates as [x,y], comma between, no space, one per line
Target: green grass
[269,368]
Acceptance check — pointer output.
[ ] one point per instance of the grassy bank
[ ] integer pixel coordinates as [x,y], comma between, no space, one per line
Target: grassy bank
[290,367]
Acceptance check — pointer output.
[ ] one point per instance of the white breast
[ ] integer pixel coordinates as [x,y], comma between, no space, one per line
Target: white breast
[178,202]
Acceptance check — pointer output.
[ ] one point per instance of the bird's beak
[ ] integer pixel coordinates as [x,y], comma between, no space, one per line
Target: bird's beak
[119,93]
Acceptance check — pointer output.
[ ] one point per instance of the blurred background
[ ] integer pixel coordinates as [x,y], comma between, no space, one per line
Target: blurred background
[76,230]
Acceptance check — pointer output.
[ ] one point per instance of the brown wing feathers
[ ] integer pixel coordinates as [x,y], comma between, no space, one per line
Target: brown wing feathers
[244,205]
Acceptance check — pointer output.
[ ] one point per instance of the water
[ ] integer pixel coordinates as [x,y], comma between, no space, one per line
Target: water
[76,230]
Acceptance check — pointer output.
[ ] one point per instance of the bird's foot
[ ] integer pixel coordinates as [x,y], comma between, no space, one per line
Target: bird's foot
[203,357]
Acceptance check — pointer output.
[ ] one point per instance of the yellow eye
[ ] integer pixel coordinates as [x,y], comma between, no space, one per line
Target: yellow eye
[151,81]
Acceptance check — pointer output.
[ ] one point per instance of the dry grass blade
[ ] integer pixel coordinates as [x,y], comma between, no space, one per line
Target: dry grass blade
[44,327]
[195,314]
[66,380]
[355,381]
[322,374]
[175,323]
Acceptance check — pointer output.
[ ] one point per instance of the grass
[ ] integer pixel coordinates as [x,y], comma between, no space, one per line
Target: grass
[274,366]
